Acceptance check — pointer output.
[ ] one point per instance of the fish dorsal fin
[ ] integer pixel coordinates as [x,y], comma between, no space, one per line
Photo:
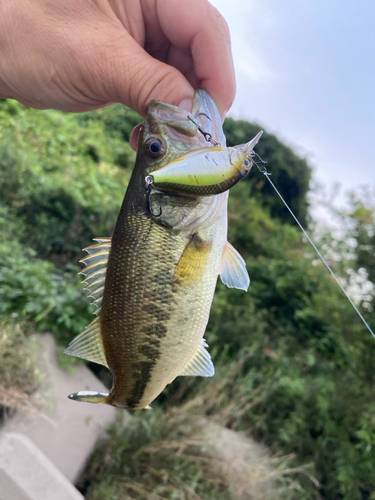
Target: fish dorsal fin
[200,364]
[88,344]
[233,271]
[95,272]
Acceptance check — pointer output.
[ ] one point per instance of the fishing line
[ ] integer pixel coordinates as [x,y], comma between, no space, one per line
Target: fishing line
[267,175]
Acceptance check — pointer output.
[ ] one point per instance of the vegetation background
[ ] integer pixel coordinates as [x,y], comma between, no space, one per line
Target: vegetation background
[295,367]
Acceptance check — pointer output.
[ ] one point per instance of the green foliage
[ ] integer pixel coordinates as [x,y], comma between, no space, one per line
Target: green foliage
[118,120]
[34,288]
[362,231]
[62,181]
[294,363]
[306,380]
[295,366]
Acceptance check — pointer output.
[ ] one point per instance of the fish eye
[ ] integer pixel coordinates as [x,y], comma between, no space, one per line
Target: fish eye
[155,148]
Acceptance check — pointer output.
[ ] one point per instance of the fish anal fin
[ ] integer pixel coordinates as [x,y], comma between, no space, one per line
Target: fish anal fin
[200,364]
[233,272]
[88,344]
[193,260]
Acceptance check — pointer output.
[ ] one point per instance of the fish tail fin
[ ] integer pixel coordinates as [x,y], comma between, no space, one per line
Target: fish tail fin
[89,397]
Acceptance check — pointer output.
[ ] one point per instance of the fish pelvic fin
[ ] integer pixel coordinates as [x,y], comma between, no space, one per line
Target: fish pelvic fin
[89,397]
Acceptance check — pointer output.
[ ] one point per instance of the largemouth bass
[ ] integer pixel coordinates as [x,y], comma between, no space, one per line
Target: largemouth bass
[154,280]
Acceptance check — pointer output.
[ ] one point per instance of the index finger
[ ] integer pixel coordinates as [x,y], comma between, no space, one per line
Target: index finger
[196,26]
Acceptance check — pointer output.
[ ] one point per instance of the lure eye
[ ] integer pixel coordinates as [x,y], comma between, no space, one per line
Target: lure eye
[155,148]
[246,163]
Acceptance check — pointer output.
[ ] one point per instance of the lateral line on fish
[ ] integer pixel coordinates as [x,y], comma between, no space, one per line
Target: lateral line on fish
[267,175]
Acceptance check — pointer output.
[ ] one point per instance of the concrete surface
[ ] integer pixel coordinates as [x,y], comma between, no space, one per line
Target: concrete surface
[65,431]
[26,473]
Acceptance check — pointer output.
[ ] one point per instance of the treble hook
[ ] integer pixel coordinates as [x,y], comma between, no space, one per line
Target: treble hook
[148,184]
[257,163]
[203,114]
[205,134]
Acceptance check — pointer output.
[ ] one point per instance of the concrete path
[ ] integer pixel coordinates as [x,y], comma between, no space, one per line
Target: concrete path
[64,431]
[27,474]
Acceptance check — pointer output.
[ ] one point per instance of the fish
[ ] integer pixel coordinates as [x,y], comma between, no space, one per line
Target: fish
[153,281]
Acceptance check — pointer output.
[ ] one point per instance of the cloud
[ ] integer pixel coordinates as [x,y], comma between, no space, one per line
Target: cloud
[249,63]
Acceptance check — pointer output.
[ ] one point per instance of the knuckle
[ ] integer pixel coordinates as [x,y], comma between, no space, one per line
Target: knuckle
[157,83]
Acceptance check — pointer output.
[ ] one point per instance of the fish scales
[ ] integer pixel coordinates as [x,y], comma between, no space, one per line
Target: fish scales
[162,311]
[161,268]
[139,301]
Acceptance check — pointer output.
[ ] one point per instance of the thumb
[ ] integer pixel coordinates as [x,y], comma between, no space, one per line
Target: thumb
[133,77]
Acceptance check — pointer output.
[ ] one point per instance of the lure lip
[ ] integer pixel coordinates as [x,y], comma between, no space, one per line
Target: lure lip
[247,148]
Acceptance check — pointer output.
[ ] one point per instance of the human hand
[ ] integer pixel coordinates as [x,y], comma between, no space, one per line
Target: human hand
[79,55]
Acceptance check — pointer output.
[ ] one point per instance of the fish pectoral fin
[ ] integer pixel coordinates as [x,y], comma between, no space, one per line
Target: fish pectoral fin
[193,261]
[89,396]
[233,272]
[88,344]
[200,364]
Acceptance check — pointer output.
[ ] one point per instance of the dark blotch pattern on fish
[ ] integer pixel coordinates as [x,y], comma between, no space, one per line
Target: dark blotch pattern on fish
[143,377]
[157,329]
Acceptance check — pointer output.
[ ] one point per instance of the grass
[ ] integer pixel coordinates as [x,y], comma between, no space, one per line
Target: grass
[181,454]
[19,377]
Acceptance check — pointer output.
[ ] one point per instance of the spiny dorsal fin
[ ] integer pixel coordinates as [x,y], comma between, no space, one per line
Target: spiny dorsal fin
[88,344]
[201,363]
[96,262]
[233,271]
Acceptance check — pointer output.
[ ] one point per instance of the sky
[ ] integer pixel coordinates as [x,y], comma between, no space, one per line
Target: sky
[305,71]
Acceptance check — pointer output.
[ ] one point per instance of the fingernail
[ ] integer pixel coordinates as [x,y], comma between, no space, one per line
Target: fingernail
[133,139]
[186,104]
